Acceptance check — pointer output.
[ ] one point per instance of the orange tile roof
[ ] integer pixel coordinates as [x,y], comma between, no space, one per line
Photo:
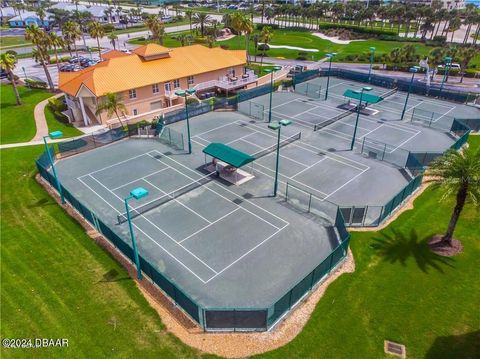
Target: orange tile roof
[151,50]
[113,53]
[128,72]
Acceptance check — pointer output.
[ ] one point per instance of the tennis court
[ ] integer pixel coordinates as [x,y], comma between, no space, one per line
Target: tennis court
[226,246]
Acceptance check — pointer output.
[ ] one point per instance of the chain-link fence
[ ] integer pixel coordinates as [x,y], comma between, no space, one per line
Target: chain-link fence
[309,89]
[252,109]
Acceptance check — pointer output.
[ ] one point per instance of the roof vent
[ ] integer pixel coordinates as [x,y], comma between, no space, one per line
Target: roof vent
[396,349]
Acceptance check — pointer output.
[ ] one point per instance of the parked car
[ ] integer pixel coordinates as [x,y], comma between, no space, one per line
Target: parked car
[452,66]
[70,68]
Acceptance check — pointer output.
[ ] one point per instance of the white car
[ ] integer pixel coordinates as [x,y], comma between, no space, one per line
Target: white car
[452,66]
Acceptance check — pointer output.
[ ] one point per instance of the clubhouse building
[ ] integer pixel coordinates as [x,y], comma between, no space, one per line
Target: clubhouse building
[146,80]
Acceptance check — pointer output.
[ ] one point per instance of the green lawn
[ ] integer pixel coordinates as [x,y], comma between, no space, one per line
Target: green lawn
[17,122]
[53,125]
[402,292]
[13,41]
[54,285]
[57,283]
[306,40]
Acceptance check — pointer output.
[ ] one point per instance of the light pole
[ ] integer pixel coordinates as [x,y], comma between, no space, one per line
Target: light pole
[271,71]
[136,193]
[413,70]
[448,62]
[185,94]
[277,126]
[54,135]
[330,56]
[365,88]
[372,58]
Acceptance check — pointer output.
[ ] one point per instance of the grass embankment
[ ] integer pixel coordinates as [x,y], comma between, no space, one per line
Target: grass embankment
[56,282]
[17,122]
[13,41]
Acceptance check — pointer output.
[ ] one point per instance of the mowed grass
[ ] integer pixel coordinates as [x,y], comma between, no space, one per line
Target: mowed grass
[13,41]
[306,40]
[402,292]
[17,123]
[54,285]
[53,125]
[54,280]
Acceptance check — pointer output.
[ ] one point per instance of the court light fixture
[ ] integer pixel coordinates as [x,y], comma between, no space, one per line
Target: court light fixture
[277,126]
[54,135]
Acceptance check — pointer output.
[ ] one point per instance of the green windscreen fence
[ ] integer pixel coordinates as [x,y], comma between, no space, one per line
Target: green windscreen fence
[252,109]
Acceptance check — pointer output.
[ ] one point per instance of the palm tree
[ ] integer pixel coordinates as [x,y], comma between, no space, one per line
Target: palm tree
[247,28]
[56,42]
[113,39]
[467,54]
[457,173]
[189,16]
[237,20]
[8,62]
[454,25]
[156,27]
[97,31]
[112,104]
[40,39]
[266,37]
[202,19]
[72,33]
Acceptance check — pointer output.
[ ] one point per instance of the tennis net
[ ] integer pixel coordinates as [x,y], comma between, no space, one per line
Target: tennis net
[138,211]
[272,148]
[320,125]
[389,93]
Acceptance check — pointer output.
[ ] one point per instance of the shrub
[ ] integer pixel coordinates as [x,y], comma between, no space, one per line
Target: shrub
[109,27]
[261,26]
[360,29]
[263,47]
[191,101]
[36,84]
[287,83]
[224,46]
[301,58]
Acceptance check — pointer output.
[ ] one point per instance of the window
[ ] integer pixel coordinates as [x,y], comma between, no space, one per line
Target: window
[132,93]
[231,71]
[176,84]
[190,80]
[168,87]
[135,112]
[155,88]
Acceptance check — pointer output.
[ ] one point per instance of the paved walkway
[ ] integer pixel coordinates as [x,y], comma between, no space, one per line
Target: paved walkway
[40,120]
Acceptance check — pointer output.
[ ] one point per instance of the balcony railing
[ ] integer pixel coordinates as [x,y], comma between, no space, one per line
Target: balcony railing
[228,83]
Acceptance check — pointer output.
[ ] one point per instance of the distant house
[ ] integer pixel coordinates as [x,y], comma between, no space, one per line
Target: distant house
[99,14]
[146,80]
[68,6]
[7,13]
[28,18]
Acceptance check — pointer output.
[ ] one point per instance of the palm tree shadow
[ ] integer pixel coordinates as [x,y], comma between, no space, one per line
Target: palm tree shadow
[397,246]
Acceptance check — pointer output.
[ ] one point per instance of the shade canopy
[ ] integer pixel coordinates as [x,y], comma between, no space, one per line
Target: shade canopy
[366,97]
[228,154]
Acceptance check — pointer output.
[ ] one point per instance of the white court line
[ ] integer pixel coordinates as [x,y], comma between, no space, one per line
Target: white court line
[445,113]
[287,177]
[404,142]
[213,129]
[283,156]
[139,179]
[180,203]
[247,253]
[329,154]
[161,230]
[323,159]
[225,189]
[413,107]
[140,230]
[211,223]
[343,185]
[104,168]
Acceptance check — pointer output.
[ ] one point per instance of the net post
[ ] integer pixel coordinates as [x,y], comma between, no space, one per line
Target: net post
[384,150]
[431,119]
[363,144]
[286,190]
[309,202]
